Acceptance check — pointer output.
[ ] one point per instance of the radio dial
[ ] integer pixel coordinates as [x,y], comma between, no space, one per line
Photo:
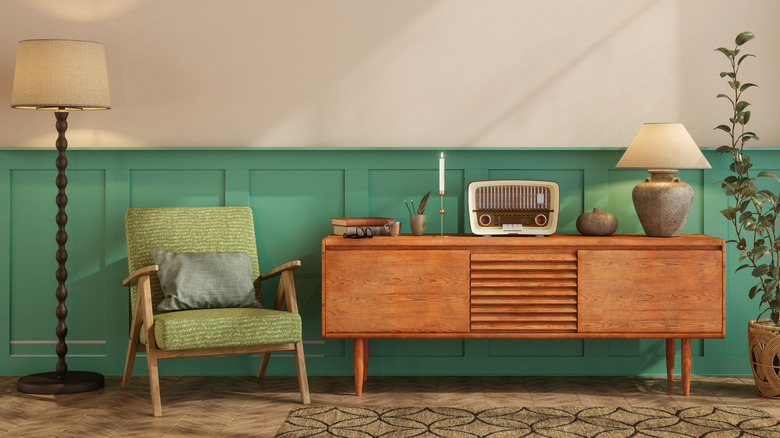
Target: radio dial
[540,219]
[485,220]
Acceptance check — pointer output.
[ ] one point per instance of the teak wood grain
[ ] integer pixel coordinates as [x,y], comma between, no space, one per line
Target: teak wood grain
[650,291]
[559,286]
[423,291]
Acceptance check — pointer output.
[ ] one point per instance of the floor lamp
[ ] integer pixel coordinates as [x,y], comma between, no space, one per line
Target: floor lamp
[61,76]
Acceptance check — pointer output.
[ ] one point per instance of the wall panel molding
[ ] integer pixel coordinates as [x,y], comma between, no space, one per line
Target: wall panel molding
[294,193]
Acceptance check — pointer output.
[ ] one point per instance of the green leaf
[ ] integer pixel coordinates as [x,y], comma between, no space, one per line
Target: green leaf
[725,128]
[744,87]
[745,118]
[729,212]
[742,58]
[726,96]
[734,84]
[724,149]
[729,54]
[745,136]
[744,37]
[760,270]
[760,199]
[742,105]
[752,292]
[730,74]
[742,267]
[768,174]
[758,252]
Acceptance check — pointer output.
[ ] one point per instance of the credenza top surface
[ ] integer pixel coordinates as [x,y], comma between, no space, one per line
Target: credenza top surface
[408,241]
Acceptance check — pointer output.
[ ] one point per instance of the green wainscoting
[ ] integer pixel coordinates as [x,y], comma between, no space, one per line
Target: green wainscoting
[294,193]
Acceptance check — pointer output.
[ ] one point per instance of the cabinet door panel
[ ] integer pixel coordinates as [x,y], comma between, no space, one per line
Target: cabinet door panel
[650,291]
[396,291]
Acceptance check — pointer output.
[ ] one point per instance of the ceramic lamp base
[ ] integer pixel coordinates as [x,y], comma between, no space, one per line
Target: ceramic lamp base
[662,203]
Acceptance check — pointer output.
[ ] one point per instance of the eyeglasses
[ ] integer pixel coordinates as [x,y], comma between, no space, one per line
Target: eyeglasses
[360,233]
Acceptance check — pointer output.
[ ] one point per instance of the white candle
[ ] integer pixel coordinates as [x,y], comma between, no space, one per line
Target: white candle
[441,173]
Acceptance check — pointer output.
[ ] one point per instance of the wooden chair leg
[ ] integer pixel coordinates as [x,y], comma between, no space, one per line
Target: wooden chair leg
[264,358]
[133,343]
[129,362]
[144,294]
[154,380]
[303,381]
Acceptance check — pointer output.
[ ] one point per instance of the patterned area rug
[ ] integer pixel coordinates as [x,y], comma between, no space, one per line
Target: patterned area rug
[505,422]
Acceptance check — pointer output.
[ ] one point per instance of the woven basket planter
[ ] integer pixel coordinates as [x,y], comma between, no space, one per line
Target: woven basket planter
[764,344]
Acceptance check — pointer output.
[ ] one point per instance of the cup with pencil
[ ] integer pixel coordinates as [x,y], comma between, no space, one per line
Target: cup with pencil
[417,216]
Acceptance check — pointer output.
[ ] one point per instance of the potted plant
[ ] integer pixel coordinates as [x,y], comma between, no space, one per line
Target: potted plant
[752,212]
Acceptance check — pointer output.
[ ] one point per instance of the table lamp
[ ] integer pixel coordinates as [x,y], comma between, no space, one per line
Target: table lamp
[662,202]
[61,76]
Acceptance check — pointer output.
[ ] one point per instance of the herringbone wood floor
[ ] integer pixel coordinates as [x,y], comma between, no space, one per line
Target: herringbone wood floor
[245,406]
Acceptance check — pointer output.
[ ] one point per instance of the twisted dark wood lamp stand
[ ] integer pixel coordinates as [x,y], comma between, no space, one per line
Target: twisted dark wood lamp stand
[61,381]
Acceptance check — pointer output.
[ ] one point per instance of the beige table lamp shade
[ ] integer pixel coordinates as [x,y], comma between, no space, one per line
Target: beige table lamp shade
[60,75]
[663,146]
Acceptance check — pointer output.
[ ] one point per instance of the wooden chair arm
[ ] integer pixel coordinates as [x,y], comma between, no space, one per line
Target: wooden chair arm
[133,278]
[289,266]
[285,292]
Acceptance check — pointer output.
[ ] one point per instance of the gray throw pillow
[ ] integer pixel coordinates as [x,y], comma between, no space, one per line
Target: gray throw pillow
[194,280]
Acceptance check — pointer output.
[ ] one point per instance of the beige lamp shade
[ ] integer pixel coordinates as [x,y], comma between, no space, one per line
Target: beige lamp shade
[663,146]
[60,75]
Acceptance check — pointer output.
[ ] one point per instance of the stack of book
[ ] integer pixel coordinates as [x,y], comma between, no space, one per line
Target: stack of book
[349,225]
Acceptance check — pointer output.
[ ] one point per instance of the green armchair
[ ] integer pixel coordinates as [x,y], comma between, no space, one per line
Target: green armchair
[204,328]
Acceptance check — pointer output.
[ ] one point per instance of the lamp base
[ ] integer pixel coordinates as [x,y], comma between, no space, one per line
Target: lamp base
[48,383]
[662,203]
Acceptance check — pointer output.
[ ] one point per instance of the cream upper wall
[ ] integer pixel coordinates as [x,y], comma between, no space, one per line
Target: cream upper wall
[399,73]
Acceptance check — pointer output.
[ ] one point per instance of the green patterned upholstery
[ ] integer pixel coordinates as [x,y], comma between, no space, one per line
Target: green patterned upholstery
[197,229]
[211,328]
[207,229]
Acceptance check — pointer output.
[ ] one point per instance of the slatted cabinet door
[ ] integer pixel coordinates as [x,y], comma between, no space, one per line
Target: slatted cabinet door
[524,291]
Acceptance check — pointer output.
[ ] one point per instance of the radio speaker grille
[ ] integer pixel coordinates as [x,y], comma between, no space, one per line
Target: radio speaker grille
[512,198]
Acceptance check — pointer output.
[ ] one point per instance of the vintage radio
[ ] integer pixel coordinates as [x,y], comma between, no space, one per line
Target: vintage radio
[513,206]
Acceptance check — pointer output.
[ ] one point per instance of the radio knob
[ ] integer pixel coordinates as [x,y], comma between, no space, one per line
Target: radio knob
[485,219]
[540,219]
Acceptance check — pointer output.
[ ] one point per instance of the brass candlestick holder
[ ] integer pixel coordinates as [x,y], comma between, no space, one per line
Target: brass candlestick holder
[441,211]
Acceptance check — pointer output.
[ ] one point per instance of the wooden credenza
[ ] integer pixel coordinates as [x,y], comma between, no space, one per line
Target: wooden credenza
[559,286]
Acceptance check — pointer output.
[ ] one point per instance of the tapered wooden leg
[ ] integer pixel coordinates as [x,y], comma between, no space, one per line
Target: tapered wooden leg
[154,380]
[144,294]
[670,359]
[365,361]
[685,367]
[303,381]
[264,358]
[134,343]
[359,356]
[129,362]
